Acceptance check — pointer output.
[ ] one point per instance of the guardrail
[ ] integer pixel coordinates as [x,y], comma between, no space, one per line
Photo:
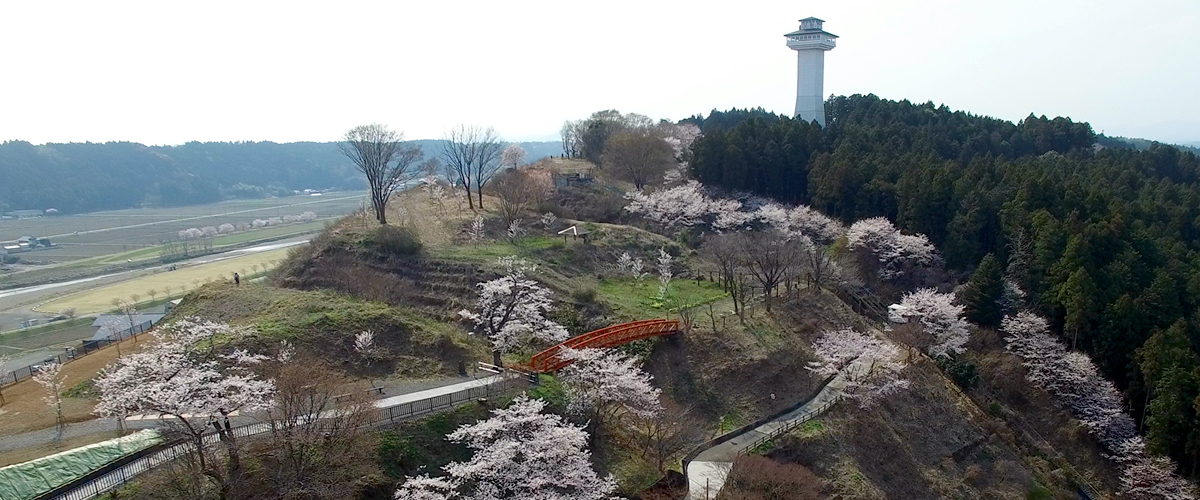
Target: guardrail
[86,347]
[754,425]
[108,480]
[789,426]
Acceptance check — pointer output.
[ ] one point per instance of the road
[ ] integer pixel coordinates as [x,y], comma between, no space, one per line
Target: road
[405,392]
[197,217]
[18,304]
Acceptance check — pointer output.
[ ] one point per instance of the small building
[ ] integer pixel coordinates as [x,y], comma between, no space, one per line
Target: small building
[568,179]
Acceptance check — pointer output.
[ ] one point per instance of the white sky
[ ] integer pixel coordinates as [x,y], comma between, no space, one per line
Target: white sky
[167,72]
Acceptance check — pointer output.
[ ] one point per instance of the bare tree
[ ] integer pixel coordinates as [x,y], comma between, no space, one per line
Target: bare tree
[384,157]
[515,188]
[638,155]
[571,138]
[316,456]
[771,258]
[668,434]
[472,156]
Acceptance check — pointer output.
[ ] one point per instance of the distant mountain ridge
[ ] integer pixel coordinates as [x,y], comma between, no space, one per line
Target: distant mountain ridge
[84,177]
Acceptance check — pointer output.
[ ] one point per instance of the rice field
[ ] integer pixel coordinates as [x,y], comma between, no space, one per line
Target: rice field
[134,232]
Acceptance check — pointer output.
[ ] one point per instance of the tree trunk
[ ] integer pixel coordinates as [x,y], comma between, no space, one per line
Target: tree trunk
[496,358]
[470,202]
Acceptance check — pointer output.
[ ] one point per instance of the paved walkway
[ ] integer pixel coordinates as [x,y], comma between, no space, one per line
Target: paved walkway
[708,471]
[108,425]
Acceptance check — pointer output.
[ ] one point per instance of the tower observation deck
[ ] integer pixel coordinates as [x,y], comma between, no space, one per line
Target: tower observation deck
[810,43]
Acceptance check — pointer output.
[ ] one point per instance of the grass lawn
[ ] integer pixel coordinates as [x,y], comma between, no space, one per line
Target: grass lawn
[185,278]
[639,299]
[492,250]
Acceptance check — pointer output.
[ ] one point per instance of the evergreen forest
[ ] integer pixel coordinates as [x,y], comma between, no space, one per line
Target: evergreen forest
[1103,234]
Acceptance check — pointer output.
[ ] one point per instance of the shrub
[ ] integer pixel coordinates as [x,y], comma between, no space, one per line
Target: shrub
[586,295]
[392,240]
[962,372]
[760,478]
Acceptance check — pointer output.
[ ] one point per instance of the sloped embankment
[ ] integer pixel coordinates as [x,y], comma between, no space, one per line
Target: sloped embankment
[322,324]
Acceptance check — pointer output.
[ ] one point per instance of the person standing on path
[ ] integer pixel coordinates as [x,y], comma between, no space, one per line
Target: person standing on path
[237,280]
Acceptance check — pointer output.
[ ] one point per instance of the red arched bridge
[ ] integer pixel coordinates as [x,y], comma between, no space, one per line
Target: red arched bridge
[612,336]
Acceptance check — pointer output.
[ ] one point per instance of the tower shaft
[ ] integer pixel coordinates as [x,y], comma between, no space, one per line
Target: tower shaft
[810,43]
[810,85]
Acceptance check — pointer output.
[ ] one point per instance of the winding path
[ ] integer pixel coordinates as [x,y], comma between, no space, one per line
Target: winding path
[707,472]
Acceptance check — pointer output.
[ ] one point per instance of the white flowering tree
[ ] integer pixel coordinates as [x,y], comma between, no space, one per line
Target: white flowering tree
[627,265]
[4,376]
[1073,379]
[512,309]
[868,366]
[183,378]
[520,453]
[941,321]
[608,384]
[513,156]
[364,345]
[800,220]
[475,231]
[54,382]
[664,273]
[685,206]
[897,253]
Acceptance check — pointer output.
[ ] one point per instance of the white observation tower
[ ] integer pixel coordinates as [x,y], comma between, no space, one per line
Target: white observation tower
[810,43]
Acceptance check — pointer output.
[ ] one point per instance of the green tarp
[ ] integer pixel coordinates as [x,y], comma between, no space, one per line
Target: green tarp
[27,480]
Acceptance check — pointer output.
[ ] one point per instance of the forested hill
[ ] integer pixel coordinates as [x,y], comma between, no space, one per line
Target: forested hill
[83,177]
[1106,241]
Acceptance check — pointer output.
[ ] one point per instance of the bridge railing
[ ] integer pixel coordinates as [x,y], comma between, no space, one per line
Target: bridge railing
[611,336]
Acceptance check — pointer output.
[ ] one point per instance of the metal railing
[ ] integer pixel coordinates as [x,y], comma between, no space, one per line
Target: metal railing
[109,480]
[789,426]
[86,347]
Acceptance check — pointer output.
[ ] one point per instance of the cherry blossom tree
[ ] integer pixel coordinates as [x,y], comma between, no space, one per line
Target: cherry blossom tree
[4,375]
[54,382]
[895,252]
[664,273]
[548,220]
[475,231]
[868,366]
[630,266]
[512,310]
[182,376]
[364,345]
[1147,478]
[1073,379]
[608,384]
[939,317]
[514,230]
[520,453]
[513,156]
[800,219]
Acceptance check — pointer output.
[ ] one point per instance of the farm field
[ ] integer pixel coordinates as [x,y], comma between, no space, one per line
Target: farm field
[185,278]
[135,232]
